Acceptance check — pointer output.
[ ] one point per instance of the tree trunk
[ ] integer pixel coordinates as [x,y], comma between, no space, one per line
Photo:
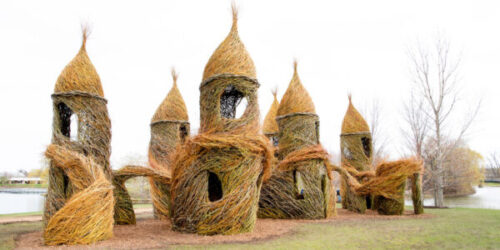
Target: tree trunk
[416,193]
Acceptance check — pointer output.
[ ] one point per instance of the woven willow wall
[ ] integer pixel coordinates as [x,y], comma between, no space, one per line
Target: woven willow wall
[302,190]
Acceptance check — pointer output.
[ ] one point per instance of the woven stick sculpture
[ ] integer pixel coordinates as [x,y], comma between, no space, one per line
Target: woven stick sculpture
[169,127]
[124,210]
[217,175]
[87,215]
[78,93]
[356,151]
[270,126]
[301,187]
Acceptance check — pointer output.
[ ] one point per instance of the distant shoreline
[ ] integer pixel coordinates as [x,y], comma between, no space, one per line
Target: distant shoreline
[26,190]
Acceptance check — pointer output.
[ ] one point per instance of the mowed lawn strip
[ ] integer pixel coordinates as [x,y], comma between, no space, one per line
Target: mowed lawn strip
[462,228]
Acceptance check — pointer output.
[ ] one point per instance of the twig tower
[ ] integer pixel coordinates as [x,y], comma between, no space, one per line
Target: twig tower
[169,127]
[78,98]
[217,174]
[300,189]
[356,152]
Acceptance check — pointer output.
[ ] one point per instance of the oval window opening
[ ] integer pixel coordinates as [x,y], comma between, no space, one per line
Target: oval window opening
[214,187]
[241,107]
[366,146]
[183,132]
[73,128]
[299,185]
[68,121]
[230,99]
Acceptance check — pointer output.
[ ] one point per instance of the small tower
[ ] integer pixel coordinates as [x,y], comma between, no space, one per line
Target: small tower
[169,127]
[302,190]
[356,152]
[217,175]
[81,123]
[270,126]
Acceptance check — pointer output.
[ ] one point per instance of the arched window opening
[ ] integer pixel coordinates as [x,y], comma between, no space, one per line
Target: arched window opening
[299,185]
[316,125]
[183,132]
[232,103]
[368,202]
[68,121]
[214,187]
[366,146]
[274,140]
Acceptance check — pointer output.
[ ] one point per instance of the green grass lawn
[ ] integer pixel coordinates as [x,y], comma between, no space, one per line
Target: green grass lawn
[461,228]
[491,184]
[23,186]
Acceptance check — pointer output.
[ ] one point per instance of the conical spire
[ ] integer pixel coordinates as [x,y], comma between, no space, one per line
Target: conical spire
[296,98]
[230,57]
[353,121]
[173,106]
[80,74]
[270,125]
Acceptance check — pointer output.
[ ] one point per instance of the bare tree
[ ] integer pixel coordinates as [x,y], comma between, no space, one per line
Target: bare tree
[435,75]
[493,166]
[373,113]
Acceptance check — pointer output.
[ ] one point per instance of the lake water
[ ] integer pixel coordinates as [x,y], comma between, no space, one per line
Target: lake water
[21,203]
[485,197]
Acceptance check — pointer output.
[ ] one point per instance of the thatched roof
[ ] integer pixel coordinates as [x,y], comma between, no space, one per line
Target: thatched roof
[230,57]
[173,106]
[296,98]
[270,125]
[80,74]
[353,121]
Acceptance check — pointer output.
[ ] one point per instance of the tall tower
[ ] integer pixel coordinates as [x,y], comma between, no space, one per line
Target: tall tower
[356,152]
[81,123]
[169,127]
[217,175]
[270,126]
[302,190]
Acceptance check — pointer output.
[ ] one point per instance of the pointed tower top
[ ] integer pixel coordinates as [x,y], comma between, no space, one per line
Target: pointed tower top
[296,98]
[353,121]
[230,57]
[173,107]
[80,74]
[270,125]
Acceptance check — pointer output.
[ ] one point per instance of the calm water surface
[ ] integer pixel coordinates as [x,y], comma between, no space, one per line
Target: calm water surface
[485,197]
[20,203]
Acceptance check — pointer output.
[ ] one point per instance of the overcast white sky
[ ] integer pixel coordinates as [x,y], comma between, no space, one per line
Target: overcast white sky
[341,46]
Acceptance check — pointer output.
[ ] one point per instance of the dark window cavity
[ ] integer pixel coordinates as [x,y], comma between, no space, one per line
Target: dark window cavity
[229,100]
[214,187]
[183,132]
[68,121]
[299,185]
[366,146]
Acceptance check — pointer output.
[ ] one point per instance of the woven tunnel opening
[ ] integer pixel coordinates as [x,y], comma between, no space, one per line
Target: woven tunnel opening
[368,202]
[214,187]
[231,103]
[299,188]
[366,146]
[183,132]
[68,121]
